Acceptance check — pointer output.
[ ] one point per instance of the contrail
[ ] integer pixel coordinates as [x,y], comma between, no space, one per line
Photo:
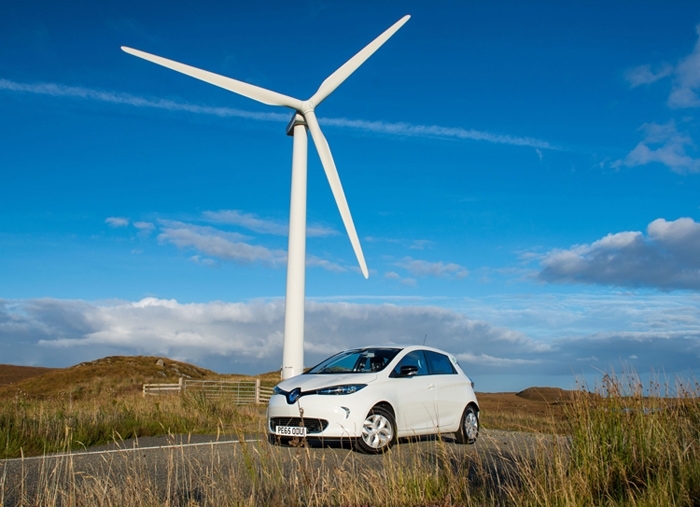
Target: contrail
[59,90]
[380,127]
[407,129]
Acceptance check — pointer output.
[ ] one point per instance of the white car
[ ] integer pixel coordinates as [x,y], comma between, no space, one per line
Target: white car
[374,395]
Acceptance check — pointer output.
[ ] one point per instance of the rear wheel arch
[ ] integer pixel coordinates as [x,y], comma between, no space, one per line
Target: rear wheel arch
[469,425]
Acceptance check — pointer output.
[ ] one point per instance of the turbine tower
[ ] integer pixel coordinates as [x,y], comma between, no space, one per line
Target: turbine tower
[304,118]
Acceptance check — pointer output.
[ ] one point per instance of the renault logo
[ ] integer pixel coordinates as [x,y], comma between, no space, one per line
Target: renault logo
[293,395]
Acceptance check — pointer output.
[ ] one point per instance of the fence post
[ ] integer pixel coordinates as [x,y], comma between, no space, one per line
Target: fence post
[257,391]
[181,385]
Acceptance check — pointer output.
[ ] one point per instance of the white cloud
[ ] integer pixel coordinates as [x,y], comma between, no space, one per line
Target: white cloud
[229,246]
[263,226]
[405,281]
[400,128]
[145,226]
[496,362]
[312,260]
[421,244]
[666,258]
[662,332]
[663,144]
[686,77]
[247,220]
[686,83]
[117,221]
[212,244]
[644,74]
[247,334]
[204,261]
[440,269]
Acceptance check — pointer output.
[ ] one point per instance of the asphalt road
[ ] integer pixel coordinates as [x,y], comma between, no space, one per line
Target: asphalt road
[178,469]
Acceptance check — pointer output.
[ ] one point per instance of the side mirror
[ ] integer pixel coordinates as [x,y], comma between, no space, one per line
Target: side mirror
[408,371]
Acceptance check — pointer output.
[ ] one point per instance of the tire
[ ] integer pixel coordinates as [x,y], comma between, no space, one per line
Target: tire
[378,432]
[468,426]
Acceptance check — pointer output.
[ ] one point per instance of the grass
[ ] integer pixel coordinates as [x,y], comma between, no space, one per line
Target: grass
[258,475]
[625,444]
[535,410]
[34,427]
[630,445]
[101,402]
[108,377]
[10,374]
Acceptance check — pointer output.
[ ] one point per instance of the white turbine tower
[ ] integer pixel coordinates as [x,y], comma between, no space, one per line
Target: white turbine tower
[304,118]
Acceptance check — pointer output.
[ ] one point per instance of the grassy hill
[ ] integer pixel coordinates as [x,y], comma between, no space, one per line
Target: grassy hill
[114,375]
[120,376]
[11,374]
[100,401]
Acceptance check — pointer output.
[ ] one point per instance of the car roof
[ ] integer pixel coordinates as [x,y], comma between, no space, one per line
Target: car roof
[407,348]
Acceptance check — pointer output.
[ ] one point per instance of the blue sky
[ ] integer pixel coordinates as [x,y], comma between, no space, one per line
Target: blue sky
[523,177]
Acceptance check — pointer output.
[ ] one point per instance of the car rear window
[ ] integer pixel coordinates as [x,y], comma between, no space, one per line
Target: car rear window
[439,364]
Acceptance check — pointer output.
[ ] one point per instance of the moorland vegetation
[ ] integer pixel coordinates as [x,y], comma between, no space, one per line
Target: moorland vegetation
[618,443]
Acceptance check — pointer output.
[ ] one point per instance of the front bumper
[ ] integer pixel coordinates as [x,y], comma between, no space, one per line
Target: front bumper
[333,417]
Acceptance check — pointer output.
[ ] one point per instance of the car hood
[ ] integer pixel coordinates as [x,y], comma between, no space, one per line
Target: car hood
[310,382]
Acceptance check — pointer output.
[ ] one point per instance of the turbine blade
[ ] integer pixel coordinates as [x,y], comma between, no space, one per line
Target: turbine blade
[247,90]
[324,152]
[334,80]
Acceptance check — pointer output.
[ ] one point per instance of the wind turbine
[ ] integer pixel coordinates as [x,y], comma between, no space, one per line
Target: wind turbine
[304,118]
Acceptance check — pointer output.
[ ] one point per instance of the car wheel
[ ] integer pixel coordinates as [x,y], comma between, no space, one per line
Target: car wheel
[378,432]
[469,427]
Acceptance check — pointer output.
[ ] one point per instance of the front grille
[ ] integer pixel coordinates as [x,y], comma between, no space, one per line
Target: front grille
[312,425]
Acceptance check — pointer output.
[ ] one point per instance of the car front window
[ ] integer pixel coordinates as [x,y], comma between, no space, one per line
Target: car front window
[356,361]
[415,359]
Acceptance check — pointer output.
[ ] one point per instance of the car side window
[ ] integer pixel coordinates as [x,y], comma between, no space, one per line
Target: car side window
[439,364]
[415,358]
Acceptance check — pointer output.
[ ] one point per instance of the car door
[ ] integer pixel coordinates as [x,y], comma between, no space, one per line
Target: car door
[416,407]
[449,390]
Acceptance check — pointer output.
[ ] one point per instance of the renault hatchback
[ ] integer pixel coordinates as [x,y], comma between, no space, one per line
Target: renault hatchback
[374,395]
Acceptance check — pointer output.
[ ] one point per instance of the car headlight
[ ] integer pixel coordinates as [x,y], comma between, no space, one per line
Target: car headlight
[345,389]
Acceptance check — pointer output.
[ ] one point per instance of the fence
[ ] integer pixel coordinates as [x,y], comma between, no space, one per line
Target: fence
[240,392]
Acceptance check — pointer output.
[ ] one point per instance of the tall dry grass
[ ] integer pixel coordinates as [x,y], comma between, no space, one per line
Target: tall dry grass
[631,444]
[628,444]
[255,474]
[31,427]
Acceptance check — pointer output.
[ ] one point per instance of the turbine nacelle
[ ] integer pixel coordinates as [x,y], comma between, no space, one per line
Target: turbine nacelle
[297,119]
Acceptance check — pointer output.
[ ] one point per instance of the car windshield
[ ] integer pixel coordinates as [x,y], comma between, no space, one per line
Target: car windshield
[356,361]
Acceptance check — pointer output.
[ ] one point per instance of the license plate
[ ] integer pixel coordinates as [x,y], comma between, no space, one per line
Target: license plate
[291,431]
